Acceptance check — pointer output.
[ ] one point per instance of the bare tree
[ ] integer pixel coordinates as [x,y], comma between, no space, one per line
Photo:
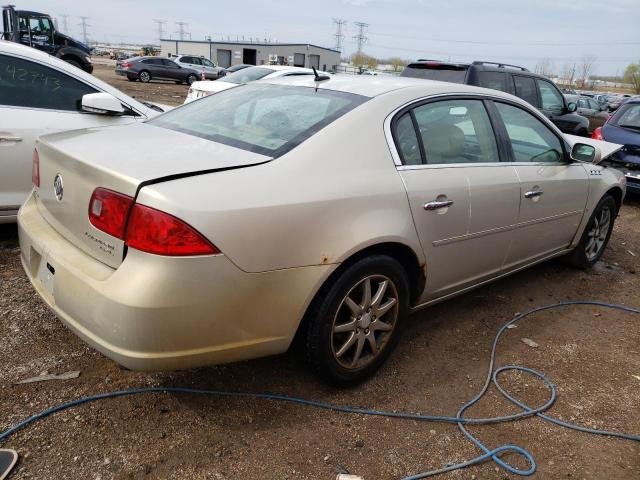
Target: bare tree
[568,73]
[586,68]
[545,67]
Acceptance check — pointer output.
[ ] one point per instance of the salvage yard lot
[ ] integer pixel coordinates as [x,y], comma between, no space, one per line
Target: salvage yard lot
[592,354]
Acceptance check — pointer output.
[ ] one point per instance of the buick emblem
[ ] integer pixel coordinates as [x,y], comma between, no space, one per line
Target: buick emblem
[58,188]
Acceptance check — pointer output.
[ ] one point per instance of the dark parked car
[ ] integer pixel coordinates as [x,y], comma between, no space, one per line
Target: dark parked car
[595,112]
[624,128]
[146,69]
[536,89]
[235,68]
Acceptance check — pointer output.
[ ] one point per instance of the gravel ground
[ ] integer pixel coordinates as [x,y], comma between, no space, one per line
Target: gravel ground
[592,354]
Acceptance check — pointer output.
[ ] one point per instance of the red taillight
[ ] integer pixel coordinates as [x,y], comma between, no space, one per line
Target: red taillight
[597,134]
[153,231]
[109,210]
[127,65]
[35,168]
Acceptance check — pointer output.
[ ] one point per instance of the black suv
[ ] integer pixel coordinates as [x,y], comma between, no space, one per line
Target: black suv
[536,89]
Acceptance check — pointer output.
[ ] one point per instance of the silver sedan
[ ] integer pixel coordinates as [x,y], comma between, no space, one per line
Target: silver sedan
[320,211]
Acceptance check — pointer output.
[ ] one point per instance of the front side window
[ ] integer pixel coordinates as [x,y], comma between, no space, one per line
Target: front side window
[266,119]
[594,105]
[551,97]
[207,63]
[40,26]
[495,80]
[582,103]
[456,131]
[28,84]
[531,140]
[248,74]
[526,89]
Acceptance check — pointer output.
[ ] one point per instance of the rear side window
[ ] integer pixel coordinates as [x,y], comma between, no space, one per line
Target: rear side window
[444,73]
[495,80]
[526,89]
[186,59]
[551,97]
[454,131]
[531,140]
[28,84]
[266,119]
[407,141]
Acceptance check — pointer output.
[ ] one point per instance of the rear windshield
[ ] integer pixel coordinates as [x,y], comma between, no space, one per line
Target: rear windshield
[266,119]
[627,116]
[248,74]
[444,73]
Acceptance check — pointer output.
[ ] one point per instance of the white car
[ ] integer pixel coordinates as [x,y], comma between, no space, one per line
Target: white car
[246,75]
[41,94]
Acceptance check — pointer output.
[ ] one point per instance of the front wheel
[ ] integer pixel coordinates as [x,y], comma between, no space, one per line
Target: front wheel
[192,78]
[355,322]
[596,235]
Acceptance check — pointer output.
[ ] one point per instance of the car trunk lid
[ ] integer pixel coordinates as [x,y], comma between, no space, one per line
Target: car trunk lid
[73,164]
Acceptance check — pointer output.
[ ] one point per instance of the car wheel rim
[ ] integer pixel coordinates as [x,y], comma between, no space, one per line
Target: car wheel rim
[597,235]
[144,77]
[364,322]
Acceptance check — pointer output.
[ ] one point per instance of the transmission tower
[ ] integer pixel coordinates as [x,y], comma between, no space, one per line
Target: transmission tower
[160,24]
[339,36]
[181,29]
[83,23]
[361,38]
[65,23]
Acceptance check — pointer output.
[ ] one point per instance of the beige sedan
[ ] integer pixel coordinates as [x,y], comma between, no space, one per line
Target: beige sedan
[320,211]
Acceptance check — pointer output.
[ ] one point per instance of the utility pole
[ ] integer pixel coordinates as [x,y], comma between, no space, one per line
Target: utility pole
[181,29]
[160,24]
[65,24]
[83,23]
[361,38]
[339,36]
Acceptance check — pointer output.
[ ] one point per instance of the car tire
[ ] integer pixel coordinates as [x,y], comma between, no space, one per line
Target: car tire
[596,235]
[341,325]
[74,63]
[144,76]
[192,78]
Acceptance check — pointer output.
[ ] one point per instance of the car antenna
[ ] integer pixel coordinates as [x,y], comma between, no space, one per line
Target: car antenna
[319,78]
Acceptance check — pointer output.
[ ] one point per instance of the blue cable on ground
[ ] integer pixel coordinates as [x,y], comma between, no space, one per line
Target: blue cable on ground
[462,422]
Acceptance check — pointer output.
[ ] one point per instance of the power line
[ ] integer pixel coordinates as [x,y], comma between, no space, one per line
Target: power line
[476,42]
[181,30]
[83,23]
[160,24]
[361,38]
[65,24]
[339,36]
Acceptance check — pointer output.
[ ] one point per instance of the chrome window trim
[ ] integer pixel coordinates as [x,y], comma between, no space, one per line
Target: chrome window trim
[471,96]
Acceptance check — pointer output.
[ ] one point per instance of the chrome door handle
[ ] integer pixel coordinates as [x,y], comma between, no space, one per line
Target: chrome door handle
[436,204]
[533,194]
[10,139]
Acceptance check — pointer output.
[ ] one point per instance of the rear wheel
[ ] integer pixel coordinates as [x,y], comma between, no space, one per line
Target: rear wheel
[596,235]
[192,78]
[144,76]
[356,319]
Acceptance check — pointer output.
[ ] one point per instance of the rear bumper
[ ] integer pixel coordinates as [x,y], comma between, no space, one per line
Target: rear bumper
[163,313]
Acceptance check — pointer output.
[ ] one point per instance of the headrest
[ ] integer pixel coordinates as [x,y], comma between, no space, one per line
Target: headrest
[442,141]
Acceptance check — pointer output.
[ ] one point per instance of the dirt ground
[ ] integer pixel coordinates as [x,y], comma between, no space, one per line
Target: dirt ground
[592,354]
[159,91]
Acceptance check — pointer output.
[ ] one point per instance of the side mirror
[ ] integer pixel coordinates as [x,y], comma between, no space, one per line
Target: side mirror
[102,103]
[586,153]
[571,107]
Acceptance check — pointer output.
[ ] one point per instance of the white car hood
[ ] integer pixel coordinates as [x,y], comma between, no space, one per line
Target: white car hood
[607,148]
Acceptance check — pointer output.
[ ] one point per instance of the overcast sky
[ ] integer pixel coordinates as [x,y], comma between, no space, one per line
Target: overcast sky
[516,31]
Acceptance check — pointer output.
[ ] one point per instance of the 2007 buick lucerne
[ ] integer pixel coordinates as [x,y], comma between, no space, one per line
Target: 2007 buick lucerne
[321,210]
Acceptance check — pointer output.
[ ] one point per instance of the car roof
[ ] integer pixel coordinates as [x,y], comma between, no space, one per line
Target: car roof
[373,86]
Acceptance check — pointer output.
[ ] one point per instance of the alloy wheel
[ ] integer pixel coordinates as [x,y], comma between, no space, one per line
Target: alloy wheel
[364,322]
[144,77]
[597,235]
